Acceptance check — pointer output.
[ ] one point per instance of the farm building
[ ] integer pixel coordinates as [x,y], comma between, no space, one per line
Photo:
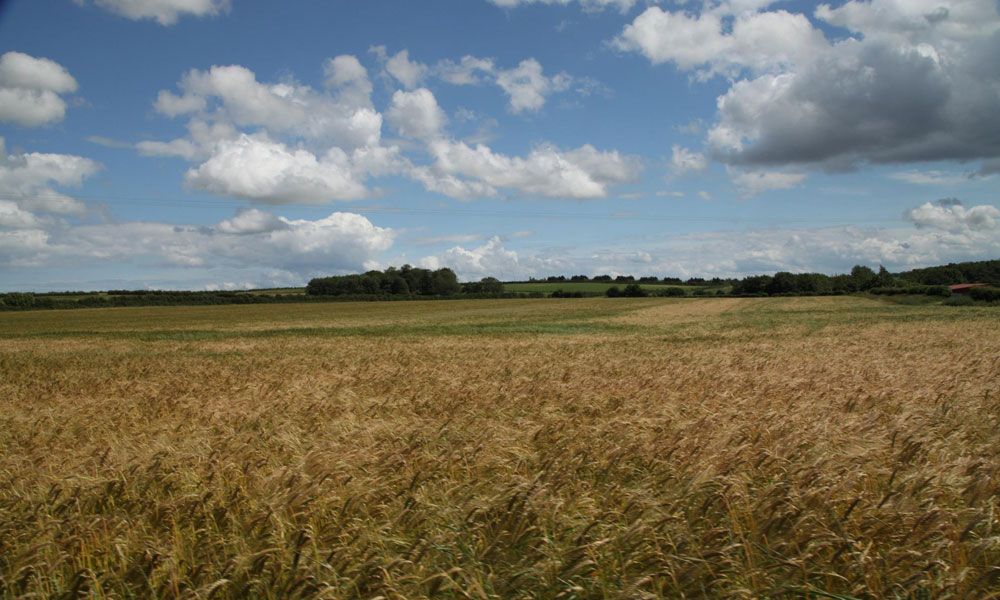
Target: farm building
[963,289]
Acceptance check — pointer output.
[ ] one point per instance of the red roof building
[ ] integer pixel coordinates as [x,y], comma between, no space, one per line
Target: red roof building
[965,288]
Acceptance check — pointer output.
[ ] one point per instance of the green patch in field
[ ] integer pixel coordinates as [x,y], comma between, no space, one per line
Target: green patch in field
[298,291]
[591,286]
[502,328]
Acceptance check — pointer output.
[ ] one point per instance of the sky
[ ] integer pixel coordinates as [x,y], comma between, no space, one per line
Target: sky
[232,144]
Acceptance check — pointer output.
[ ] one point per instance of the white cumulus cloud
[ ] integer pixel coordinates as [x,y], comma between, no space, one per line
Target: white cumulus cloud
[916,81]
[203,135]
[22,70]
[29,180]
[590,5]
[13,216]
[527,87]
[951,216]
[416,114]
[493,259]
[30,89]
[683,160]
[752,183]
[164,12]
[484,261]
[252,240]
[401,68]
[468,71]
[251,220]
[757,41]
[349,76]
[735,253]
[546,171]
[172,105]
[278,143]
[284,142]
[262,170]
[285,107]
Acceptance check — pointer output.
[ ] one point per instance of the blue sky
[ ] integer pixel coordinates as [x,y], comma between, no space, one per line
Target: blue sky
[203,144]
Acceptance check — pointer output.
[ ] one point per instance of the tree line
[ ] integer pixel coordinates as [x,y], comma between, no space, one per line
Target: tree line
[123,298]
[405,281]
[932,281]
[412,282]
[984,271]
[627,279]
[860,279]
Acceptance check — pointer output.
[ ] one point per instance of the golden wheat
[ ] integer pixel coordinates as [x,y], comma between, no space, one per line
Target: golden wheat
[590,448]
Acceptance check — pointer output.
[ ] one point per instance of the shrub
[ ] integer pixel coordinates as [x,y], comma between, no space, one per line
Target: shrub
[560,293]
[927,290]
[985,294]
[485,286]
[671,292]
[19,300]
[958,301]
[634,290]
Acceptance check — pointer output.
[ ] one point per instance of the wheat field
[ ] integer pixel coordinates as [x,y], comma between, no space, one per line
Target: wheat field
[587,448]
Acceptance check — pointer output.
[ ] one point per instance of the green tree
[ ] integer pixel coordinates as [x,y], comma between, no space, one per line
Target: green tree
[751,285]
[842,283]
[884,278]
[943,276]
[444,282]
[783,282]
[863,278]
[486,285]
[813,283]
[634,290]
[491,285]
[398,285]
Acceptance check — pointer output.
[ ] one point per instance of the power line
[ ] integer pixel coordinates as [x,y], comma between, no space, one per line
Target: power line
[519,213]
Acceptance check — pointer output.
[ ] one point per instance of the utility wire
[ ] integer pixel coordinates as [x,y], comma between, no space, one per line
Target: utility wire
[380,209]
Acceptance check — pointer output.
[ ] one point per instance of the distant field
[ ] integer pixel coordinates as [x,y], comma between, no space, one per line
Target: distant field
[824,447]
[589,286]
[278,291]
